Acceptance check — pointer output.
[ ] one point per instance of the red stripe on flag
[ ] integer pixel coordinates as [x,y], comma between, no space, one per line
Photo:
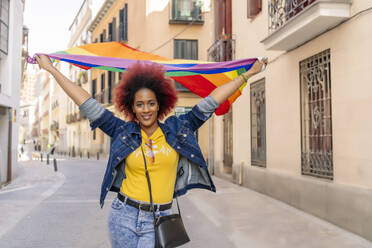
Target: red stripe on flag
[202,87]
[197,84]
[82,66]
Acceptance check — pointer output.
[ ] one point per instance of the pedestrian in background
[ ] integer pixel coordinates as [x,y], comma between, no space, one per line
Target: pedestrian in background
[170,149]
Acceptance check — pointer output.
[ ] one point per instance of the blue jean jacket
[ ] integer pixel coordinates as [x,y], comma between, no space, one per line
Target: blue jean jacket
[192,171]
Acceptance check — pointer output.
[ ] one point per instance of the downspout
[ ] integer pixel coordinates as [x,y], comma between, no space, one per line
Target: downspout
[9,174]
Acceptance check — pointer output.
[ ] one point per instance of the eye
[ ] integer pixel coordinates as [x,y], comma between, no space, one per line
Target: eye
[138,105]
[152,103]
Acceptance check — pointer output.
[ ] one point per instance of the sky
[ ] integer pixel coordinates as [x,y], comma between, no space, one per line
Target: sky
[48,22]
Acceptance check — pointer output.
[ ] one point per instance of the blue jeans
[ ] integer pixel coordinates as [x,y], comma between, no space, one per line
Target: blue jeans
[130,227]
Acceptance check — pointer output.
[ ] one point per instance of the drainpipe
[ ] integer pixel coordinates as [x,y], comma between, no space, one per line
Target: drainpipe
[9,175]
[241,173]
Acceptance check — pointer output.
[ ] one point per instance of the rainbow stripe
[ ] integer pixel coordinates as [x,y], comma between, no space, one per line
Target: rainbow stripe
[200,77]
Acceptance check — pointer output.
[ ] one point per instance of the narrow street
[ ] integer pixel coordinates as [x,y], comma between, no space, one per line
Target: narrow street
[42,208]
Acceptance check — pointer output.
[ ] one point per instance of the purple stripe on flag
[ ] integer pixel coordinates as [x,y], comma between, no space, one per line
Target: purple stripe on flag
[125,63]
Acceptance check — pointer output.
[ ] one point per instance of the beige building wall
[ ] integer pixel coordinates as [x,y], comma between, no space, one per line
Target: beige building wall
[149,30]
[77,134]
[345,200]
[44,120]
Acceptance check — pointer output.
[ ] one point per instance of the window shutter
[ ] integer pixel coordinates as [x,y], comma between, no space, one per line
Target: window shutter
[110,31]
[125,22]
[254,7]
[114,29]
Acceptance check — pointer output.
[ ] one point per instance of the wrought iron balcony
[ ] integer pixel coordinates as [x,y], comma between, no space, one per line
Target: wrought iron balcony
[294,22]
[281,11]
[222,49]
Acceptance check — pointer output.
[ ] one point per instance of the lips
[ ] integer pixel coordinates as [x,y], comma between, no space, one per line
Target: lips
[146,117]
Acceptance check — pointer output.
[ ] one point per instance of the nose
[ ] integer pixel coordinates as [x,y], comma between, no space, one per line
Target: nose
[146,108]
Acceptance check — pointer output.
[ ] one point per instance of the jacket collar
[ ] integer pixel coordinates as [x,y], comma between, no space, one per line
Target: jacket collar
[164,128]
[133,127]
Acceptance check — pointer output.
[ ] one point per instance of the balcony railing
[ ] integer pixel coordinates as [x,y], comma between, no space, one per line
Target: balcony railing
[222,49]
[281,11]
[292,23]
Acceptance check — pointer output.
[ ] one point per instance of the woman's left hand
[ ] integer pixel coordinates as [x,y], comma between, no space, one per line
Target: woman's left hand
[257,67]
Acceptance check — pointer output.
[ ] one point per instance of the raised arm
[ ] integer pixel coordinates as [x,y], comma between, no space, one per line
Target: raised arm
[223,92]
[75,92]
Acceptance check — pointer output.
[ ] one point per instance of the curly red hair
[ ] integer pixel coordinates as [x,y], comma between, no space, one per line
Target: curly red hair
[145,75]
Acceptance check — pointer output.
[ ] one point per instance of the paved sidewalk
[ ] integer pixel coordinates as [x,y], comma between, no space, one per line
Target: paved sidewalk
[236,216]
[34,182]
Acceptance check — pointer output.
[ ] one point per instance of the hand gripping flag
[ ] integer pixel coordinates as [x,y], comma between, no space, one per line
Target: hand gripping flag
[200,77]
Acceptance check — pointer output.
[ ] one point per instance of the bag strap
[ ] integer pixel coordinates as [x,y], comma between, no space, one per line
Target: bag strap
[148,183]
[149,186]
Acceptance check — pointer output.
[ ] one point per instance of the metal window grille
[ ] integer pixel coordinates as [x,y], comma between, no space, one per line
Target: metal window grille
[316,116]
[258,124]
[4,26]
[222,49]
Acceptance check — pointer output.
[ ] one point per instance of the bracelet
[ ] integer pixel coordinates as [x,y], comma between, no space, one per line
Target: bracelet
[244,77]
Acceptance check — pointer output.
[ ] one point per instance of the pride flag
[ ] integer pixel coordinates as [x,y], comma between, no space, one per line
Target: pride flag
[200,77]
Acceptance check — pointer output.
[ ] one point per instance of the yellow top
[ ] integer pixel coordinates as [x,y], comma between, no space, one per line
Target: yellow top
[161,161]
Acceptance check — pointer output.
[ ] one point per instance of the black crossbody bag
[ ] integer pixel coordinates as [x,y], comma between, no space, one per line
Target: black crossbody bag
[169,230]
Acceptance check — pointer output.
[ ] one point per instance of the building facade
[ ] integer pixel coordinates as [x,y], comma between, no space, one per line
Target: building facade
[173,29]
[76,132]
[11,26]
[301,131]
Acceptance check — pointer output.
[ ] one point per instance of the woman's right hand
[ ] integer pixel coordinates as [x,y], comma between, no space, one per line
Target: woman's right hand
[44,62]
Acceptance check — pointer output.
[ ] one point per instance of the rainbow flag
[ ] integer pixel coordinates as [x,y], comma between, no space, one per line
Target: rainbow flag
[200,77]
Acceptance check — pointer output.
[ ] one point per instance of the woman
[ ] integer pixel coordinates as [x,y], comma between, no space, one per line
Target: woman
[174,158]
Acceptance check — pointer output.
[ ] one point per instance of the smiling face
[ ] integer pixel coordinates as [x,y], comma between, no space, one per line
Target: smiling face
[145,108]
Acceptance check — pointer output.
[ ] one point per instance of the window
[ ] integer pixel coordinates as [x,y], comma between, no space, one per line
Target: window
[4,26]
[111,30]
[111,79]
[187,10]
[258,124]
[94,88]
[316,116]
[94,134]
[254,7]
[102,36]
[123,23]
[102,81]
[102,88]
[186,49]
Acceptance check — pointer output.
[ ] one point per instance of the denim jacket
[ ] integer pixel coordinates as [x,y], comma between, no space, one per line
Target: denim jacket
[192,171]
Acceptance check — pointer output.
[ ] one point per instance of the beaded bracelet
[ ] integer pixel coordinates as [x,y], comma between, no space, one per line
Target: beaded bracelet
[244,77]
